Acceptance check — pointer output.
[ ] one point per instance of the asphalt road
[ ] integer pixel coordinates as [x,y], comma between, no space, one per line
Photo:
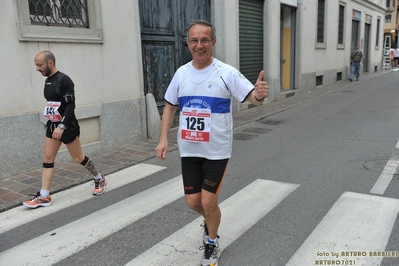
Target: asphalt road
[310,185]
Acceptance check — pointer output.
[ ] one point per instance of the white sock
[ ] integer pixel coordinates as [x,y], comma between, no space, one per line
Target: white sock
[212,241]
[98,177]
[44,193]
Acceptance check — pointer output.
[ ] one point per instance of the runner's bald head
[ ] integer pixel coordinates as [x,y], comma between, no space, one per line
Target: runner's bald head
[47,56]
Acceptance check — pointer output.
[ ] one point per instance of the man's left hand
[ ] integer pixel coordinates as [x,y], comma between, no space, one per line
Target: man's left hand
[261,87]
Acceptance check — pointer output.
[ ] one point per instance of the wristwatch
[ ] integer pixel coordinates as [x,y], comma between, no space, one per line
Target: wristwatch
[62,126]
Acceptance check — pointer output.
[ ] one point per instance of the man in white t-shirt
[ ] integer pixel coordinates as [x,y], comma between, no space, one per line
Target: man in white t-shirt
[202,90]
[392,56]
[396,58]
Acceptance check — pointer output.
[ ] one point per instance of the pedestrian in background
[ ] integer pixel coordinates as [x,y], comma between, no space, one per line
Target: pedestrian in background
[396,58]
[202,90]
[392,56]
[356,59]
[62,127]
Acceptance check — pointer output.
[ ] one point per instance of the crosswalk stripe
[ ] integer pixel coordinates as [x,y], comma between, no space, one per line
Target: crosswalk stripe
[386,176]
[239,213]
[21,215]
[73,237]
[355,223]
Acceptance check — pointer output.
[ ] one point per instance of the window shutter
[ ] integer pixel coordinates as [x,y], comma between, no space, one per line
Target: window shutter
[251,38]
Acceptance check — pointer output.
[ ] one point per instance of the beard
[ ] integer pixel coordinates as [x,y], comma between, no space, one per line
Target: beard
[46,72]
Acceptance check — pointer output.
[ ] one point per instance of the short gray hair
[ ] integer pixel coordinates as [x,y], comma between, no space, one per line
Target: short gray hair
[204,23]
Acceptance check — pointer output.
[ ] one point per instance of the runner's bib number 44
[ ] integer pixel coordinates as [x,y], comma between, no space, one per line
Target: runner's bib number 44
[195,124]
[51,111]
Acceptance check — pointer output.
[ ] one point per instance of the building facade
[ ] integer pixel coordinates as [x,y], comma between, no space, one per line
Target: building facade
[116,53]
[325,50]
[391,26]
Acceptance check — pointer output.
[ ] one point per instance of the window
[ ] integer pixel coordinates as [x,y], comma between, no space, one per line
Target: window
[71,13]
[59,21]
[341,18]
[320,21]
[390,5]
[388,18]
[319,80]
[377,37]
[339,76]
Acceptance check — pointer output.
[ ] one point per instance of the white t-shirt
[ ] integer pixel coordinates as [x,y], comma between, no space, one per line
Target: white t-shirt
[204,98]
[396,52]
[392,53]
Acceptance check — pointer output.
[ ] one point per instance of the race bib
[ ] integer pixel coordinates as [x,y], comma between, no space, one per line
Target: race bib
[51,111]
[195,124]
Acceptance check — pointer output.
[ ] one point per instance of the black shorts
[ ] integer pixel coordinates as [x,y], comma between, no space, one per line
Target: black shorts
[69,135]
[201,173]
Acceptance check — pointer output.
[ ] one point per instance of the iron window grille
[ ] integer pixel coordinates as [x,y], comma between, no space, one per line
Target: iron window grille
[377,38]
[61,13]
[320,21]
[341,24]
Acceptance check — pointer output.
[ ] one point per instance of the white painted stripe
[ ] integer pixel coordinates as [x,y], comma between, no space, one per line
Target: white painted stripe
[21,215]
[239,213]
[382,183]
[356,222]
[397,145]
[385,178]
[81,233]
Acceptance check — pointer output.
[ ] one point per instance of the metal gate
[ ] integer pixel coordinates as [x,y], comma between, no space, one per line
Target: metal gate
[163,26]
[366,47]
[251,38]
[355,34]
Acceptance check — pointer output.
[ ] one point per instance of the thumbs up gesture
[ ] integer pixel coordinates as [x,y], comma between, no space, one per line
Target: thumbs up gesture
[261,88]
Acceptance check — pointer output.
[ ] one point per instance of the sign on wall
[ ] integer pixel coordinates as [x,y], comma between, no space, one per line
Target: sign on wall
[356,15]
[289,2]
[368,19]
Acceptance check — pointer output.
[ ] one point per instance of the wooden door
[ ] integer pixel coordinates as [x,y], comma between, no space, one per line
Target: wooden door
[163,26]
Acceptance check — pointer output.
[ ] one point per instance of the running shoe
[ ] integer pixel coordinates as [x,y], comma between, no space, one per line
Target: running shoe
[37,201]
[99,186]
[211,254]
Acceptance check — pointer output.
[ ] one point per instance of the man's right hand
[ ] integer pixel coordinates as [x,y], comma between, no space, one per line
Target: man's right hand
[162,149]
[169,112]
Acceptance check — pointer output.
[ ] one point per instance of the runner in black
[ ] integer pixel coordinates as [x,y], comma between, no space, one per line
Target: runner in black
[62,127]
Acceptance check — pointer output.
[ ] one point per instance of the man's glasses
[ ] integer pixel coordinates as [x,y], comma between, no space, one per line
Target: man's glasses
[204,41]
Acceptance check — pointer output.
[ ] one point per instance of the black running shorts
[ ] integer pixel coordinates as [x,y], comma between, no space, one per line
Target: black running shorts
[201,173]
[69,135]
